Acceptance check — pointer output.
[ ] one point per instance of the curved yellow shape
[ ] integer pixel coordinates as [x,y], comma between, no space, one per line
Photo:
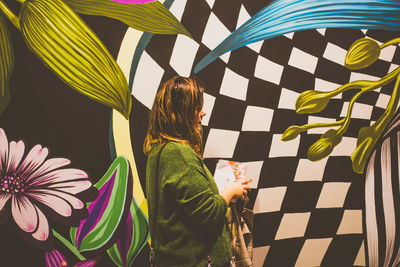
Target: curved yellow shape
[121,128]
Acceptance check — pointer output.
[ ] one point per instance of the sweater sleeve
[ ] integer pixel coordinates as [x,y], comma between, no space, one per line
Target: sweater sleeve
[193,192]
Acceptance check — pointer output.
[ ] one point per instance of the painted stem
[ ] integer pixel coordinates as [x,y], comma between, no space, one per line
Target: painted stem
[70,246]
[10,15]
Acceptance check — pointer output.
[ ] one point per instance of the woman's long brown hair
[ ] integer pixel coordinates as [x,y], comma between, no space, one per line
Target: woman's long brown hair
[174,114]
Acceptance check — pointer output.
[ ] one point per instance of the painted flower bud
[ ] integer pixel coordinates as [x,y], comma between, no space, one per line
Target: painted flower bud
[291,133]
[62,40]
[6,63]
[324,146]
[312,102]
[361,54]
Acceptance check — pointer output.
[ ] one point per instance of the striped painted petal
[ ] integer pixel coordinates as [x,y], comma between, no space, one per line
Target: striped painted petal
[86,263]
[6,63]
[54,258]
[151,17]
[132,238]
[106,211]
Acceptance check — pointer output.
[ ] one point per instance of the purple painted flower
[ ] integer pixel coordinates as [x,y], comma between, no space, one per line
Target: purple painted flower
[55,258]
[35,178]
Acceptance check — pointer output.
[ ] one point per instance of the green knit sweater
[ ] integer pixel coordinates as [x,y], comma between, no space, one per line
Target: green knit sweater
[191,213]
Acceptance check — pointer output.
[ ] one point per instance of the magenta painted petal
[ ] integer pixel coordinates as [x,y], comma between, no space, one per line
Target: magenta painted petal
[59,205]
[72,187]
[86,263]
[133,1]
[55,259]
[3,200]
[3,150]
[24,213]
[42,232]
[73,201]
[15,154]
[49,165]
[59,176]
[35,158]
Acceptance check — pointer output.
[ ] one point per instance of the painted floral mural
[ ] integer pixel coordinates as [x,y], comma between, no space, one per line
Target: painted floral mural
[77,199]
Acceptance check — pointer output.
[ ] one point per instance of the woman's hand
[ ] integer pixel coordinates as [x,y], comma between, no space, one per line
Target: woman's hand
[236,189]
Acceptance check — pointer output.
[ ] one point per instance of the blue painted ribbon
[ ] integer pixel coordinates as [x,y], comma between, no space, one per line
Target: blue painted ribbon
[284,16]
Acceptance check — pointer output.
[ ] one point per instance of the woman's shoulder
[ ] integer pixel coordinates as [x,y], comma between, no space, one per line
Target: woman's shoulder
[174,149]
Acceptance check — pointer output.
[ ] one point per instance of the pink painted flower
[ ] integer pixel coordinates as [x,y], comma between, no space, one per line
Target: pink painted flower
[34,179]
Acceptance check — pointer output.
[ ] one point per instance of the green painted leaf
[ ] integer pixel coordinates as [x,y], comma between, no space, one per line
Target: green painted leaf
[6,64]
[107,210]
[63,41]
[132,237]
[150,17]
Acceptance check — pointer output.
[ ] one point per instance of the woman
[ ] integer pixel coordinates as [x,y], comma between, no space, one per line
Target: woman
[186,211]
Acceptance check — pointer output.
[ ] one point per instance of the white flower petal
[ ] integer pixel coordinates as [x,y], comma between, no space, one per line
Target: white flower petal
[72,187]
[42,232]
[3,200]
[35,158]
[15,155]
[49,165]
[59,205]
[73,201]
[59,176]
[24,213]
[3,150]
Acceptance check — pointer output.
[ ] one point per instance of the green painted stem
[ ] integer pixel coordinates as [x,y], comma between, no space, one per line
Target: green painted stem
[69,245]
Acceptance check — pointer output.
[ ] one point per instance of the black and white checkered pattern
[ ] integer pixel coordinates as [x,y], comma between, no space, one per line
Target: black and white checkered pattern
[307,213]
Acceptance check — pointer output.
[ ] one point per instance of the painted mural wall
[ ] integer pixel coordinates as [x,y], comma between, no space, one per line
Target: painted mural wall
[305,92]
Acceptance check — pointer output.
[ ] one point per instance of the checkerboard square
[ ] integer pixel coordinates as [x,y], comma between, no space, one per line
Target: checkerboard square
[332,72]
[347,246]
[326,86]
[257,119]
[333,195]
[301,197]
[234,85]
[288,99]
[360,259]
[284,253]
[259,255]
[393,67]
[220,143]
[183,64]
[277,49]
[355,76]
[252,146]
[208,105]
[324,223]
[277,172]
[269,199]
[314,119]
[360,111]
[214,33]
[265,235]
[351,223]
[281,148]
[301,40]
[335,53]
[310,171]
[177,8]
[303,60]
[313,252]
[293,225]
[146,89]
[383,100]
[268,70]
[253,172]
[345,147]
[387,53]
